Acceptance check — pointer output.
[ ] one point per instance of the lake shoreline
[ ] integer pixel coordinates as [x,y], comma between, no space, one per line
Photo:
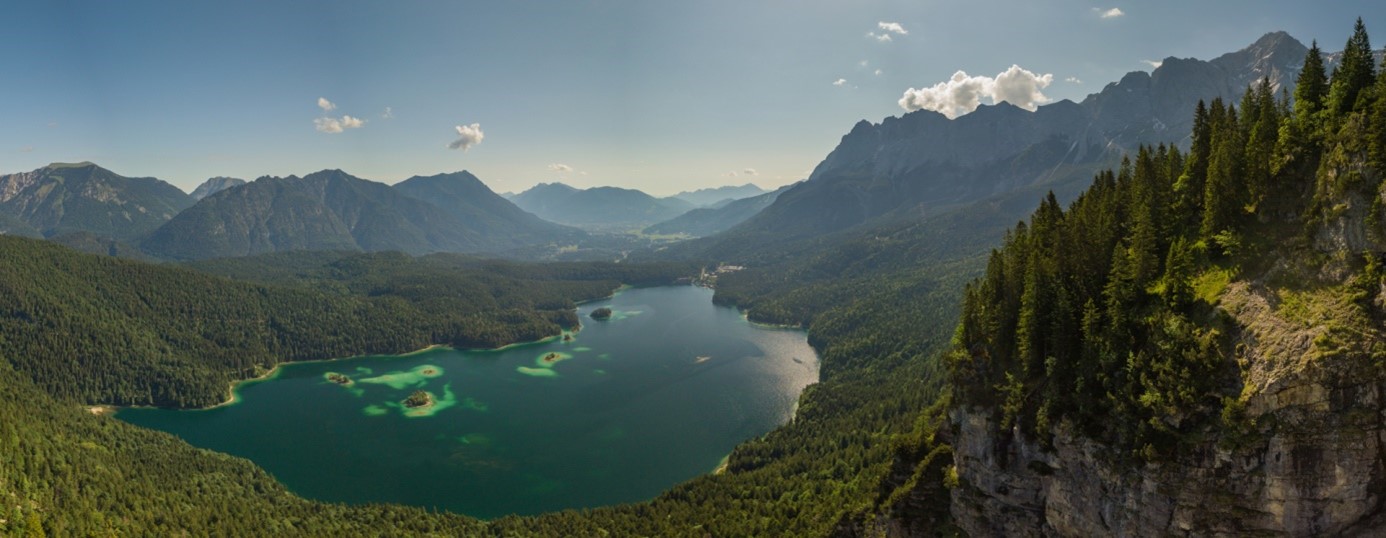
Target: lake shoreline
[232,397]
[306,411]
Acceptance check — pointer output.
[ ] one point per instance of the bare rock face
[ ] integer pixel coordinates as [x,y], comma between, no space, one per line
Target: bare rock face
[215,185]
[1312,465]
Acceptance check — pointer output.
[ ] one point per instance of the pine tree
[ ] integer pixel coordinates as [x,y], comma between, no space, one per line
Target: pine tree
[1222,197]
[1311,88]
[1145,232]
[1355,72]
[1262,121]
[33,527]
[1188,191]
[1176,289]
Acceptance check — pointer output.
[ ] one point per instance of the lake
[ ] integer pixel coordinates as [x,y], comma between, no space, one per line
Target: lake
[656,395]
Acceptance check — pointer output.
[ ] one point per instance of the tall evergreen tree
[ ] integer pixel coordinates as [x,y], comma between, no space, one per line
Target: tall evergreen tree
[1262,125]
[1355,72]
[1311,88]
[1223,196]
[1188,191]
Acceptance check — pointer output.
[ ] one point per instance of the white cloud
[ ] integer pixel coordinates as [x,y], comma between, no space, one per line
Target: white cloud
[560,168]
[882,37]
[732,173]
[892,27]
[1154,64]
[26,149]
[962,93]
[389,114]
[750,172]
[331,125]
[1073,80]
[467,136]
[336,125]
[863,63]
[877,72]
[1109,13]
[840,82]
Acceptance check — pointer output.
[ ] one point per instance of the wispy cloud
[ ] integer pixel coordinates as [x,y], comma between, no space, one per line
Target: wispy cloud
[325,105]
[1154,64]
[467,136]
[840,82]
[877,72]
[336,125]
[26,149]
[562,168]
[750,172]
[388,114]
[1108,13]
[886,29]
[1073,80]
[892,27]
[962,93]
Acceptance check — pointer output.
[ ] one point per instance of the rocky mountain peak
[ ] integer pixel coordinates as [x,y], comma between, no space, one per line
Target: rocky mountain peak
[215,185]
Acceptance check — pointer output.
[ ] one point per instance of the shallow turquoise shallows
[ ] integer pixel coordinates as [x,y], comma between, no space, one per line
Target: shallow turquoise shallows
[658,394]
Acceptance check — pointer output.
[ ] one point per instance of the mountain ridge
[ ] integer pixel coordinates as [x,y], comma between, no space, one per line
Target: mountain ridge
[325,210]
[598,208]
[84,197]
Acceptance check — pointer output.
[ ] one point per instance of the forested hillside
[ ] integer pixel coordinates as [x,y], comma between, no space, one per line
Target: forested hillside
[1183,314]
[1107,309]
[103,330]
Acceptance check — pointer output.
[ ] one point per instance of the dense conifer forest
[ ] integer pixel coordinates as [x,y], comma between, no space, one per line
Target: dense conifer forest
[1105,314]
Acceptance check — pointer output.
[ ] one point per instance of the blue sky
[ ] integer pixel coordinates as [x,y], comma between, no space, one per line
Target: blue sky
[660,96]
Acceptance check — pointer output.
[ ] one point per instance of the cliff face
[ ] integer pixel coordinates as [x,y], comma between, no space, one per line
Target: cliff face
[1310,464]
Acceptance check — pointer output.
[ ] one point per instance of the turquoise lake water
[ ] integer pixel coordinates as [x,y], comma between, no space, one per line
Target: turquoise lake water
[656,395]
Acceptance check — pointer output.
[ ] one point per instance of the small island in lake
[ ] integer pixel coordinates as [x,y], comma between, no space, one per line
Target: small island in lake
[340,379]
[552,358]
[419,399]
[601,313]
[567,337]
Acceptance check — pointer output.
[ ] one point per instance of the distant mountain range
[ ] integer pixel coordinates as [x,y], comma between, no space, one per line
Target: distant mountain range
[333,210]
[720,195]
[482,211]
[215,185]
[82,197]
[923,163]
[598,208]
[718,217]
[900,169]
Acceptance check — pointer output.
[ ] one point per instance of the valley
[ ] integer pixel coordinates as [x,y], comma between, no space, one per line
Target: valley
[1153,310]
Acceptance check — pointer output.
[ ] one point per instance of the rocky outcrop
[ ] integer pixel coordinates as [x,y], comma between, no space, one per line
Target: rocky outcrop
[1312,463]
[215,185]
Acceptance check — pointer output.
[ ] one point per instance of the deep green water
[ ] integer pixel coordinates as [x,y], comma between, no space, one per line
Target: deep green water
[655,396]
